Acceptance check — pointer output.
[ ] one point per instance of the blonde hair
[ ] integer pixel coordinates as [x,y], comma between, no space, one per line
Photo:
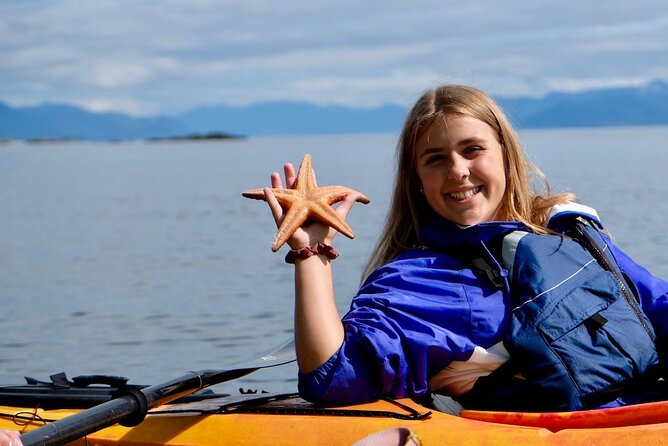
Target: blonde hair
[521,201]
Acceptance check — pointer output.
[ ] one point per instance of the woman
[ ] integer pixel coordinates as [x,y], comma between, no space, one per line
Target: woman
[425,319]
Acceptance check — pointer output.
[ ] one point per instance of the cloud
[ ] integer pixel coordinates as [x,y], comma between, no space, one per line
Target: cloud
[105,105]
[114,75]
[573,85]
[150,56]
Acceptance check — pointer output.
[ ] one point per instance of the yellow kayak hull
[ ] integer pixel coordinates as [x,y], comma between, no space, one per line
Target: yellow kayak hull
[645,424]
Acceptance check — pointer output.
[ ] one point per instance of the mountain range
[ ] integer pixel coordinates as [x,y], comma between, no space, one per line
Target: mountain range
[645,105]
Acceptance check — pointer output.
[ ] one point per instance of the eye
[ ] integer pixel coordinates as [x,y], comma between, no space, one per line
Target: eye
[434,159]
[472,150]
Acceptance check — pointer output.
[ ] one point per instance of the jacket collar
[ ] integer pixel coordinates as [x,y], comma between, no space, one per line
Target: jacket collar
[438,232]
[443,234]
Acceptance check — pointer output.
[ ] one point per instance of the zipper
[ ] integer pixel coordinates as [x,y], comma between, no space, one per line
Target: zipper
[605,262]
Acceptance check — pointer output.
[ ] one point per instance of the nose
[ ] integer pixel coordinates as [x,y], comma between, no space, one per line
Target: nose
[459,168]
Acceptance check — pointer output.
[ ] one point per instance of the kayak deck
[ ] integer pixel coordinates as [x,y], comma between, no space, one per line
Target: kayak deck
[288,420]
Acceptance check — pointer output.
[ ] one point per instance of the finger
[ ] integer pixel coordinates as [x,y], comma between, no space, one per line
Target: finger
[276,181]
[347,204]
[274,205]
[290,175]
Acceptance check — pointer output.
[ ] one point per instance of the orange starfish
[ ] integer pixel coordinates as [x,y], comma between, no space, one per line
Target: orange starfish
[305,201]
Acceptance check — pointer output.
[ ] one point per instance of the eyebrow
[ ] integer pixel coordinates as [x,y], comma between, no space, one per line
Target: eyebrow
[429,150]
[471,140]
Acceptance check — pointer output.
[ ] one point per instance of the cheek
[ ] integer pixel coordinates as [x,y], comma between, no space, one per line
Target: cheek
[432,188]
[424,181]
[494,172]
[501,177]
[500,187]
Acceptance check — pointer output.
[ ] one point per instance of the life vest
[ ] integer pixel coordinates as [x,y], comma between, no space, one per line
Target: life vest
[577,336]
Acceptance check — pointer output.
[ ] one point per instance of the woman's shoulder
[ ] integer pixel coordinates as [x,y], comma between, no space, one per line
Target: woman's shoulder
[414,258]
[562,214]
[413,267]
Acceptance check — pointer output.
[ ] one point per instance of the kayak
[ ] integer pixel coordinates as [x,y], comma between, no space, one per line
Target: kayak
[208,418]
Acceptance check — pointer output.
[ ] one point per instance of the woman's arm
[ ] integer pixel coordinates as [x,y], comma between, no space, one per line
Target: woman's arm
[652,291]
[318,328]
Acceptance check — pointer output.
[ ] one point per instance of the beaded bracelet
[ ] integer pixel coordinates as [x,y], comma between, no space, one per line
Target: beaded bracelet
[308,251]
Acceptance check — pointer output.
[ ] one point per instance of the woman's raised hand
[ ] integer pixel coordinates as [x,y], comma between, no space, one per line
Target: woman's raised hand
[311,232]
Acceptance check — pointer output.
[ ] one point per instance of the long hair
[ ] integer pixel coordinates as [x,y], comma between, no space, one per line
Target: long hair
[521,201]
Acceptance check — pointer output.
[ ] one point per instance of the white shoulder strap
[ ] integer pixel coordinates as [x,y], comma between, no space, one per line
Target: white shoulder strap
[509,249]
[573,208]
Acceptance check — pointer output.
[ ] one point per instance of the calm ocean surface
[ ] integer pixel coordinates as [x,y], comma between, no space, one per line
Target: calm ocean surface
[143,260]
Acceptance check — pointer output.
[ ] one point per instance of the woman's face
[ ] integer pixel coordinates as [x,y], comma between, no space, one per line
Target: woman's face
[461,168]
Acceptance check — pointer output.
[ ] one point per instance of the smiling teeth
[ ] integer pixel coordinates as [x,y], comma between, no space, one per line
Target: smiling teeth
[464,195]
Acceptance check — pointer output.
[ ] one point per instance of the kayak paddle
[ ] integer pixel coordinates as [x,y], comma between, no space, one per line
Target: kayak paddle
[129,409]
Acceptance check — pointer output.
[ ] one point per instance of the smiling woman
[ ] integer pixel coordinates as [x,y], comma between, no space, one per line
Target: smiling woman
[443,308]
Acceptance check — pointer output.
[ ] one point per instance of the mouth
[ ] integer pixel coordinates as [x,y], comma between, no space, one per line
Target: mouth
[464,195]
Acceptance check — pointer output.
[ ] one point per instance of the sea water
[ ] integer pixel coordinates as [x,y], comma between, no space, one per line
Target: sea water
[142,259]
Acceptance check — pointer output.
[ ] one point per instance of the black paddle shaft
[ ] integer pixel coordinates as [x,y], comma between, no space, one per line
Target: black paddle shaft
[130,409]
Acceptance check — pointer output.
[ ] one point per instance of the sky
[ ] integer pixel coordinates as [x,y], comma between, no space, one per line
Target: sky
[149,57]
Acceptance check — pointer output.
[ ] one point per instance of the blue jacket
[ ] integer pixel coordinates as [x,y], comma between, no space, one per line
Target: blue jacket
[427,308]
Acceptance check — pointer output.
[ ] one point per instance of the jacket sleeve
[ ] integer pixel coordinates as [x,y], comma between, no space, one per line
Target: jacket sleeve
[652,291]
[410,319]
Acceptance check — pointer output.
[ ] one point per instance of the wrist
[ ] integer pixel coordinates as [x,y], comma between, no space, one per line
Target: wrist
[307,251]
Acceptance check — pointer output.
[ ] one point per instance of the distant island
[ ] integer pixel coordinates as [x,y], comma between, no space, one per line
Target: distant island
[49,140]
[213,136]
[627,106]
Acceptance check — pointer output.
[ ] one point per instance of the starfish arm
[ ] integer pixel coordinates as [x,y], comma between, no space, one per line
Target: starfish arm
[255,194]
[324,213]
[292,220]
[286,197]
[305,180]
[334,194]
